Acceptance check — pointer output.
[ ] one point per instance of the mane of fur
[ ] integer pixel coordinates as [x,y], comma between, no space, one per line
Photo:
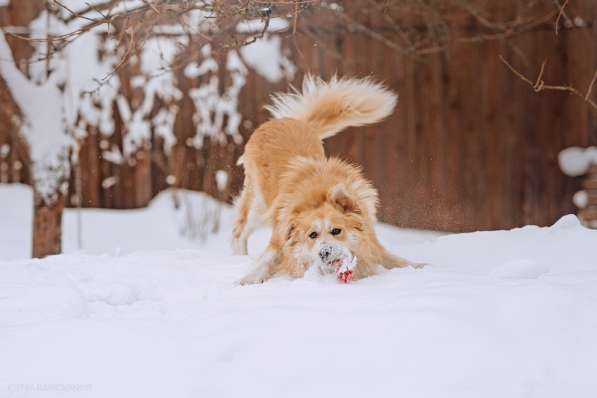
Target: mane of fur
[319,178]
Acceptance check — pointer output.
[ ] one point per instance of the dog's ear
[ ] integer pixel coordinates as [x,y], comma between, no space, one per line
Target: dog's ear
[343,200]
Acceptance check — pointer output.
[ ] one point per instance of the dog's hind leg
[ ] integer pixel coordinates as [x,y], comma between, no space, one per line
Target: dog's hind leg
[240,233]
[250,215]
[390,261]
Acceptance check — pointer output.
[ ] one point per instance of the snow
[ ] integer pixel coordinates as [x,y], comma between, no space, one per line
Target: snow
[258,25]
[115,232]
[267,58]
[581,199]
[113,155]
[575,161]
[216,113]
[221,179]
[145,312]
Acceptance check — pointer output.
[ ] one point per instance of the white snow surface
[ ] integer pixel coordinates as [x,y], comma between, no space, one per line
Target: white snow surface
[495,314]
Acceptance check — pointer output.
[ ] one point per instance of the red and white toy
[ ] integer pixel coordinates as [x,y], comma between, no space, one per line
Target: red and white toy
[344,268]
[339,260]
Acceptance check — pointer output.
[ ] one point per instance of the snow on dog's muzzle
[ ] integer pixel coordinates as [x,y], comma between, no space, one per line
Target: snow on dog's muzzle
[339,260]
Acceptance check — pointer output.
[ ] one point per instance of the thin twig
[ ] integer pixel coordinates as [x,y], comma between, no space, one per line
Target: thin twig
[539,85]
[561,13]
[590,89]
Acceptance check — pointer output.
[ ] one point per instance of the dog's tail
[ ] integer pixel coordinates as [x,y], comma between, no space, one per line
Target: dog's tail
[335,105]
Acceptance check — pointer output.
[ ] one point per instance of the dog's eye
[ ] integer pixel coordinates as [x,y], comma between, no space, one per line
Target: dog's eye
[336,231]
[313,235]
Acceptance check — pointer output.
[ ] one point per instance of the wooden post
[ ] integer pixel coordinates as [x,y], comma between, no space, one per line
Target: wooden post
[47,226]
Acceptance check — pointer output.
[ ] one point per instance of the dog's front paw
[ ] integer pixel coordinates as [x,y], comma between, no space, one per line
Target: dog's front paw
[417,265]
[250,280]
[257,275]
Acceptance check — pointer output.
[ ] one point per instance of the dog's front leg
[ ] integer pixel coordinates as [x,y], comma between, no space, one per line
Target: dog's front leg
[264,266]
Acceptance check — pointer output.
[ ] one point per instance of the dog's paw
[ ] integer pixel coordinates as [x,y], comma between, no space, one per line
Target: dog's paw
[417,265]
[250,280]
[258,275]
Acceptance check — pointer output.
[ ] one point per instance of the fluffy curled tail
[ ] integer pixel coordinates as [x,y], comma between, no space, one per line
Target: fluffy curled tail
[335,105]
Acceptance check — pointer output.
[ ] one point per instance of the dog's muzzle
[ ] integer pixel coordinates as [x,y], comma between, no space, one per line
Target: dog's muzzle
[330,252]
[337,259]
[325,253]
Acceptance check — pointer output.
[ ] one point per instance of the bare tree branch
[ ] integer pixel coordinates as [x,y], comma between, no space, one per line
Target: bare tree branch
[539,84]
[561,13]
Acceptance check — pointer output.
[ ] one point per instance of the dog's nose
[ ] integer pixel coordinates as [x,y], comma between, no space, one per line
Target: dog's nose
[325,253]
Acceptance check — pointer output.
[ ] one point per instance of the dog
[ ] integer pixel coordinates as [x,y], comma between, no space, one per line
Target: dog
[322,210]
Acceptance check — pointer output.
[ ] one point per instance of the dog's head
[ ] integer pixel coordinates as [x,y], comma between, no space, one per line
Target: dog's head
[326,226]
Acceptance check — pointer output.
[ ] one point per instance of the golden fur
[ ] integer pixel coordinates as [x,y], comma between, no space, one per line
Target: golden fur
[291,185]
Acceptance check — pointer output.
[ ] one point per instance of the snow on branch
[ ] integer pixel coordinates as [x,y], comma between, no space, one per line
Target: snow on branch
[86,47]
[576,161]
[44,128]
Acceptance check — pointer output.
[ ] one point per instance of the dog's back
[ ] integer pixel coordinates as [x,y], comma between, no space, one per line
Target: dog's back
[272,146]
[303,119]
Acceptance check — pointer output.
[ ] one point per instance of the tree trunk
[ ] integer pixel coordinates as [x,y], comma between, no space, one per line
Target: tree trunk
[47,226]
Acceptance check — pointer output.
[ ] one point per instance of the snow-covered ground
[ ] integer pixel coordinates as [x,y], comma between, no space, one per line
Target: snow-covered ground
[143,312]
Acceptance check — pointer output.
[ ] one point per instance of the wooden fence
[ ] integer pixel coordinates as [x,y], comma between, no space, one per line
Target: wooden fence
[470,147]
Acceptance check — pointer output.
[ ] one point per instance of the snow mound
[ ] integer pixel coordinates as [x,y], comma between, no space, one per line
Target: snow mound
[159,226]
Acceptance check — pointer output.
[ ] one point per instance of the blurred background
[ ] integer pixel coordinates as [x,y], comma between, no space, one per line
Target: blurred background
[108,103]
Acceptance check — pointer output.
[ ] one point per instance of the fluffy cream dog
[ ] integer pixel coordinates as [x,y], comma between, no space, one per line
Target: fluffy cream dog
[322,210]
